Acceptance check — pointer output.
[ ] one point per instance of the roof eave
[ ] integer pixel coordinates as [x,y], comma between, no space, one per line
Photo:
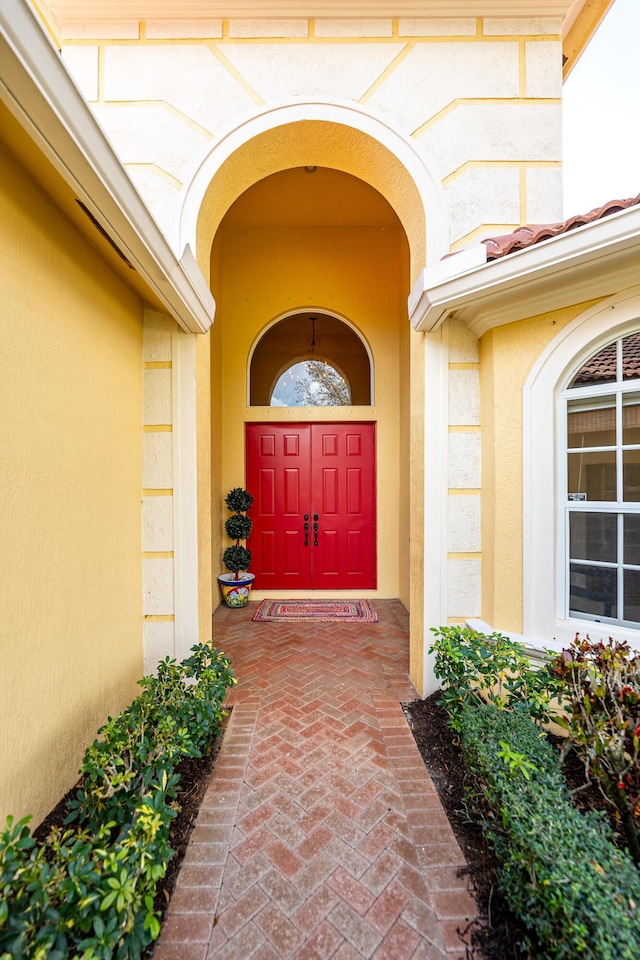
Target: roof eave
[40,93]
[592,261]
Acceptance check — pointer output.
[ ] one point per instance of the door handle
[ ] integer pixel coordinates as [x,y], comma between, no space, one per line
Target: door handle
[315,529]
[306,529]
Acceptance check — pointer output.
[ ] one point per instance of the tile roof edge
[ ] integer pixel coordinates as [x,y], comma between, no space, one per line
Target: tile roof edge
[530,234]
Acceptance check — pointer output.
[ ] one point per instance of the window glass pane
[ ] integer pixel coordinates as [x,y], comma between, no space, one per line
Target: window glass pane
[598,369]
[592,474]
[593,590]
[631,418]
[631,475]
[632,595]
[631,357]
[632,538]
[312,383]
[593,536]
[592,423]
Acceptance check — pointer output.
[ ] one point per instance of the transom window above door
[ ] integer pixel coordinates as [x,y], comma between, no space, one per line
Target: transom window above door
[310,360]
[602,486]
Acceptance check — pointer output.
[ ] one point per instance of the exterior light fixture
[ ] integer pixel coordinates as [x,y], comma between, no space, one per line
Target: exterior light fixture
[310,169]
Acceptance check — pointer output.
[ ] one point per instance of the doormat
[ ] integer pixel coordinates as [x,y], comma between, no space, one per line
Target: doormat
[318,611]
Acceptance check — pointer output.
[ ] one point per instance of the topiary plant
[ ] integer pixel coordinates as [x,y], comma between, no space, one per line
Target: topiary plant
[238,527]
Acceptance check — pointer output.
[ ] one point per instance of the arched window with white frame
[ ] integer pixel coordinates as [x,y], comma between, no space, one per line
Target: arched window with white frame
[601,516]
[581,479]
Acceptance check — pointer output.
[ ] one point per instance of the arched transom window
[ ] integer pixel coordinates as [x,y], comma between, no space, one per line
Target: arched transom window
[310,360]
[602,486]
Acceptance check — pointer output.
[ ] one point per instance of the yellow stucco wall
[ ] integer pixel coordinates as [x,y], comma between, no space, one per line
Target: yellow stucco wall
[507,354]
[356,272]
[70,478]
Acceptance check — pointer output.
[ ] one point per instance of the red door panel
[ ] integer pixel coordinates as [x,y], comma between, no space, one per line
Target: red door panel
[278,475]
[343,495]
[323,471]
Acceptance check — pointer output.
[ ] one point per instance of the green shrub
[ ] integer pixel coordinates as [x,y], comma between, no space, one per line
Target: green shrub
[559,870]
[88,890]
[474,667]
[603,681]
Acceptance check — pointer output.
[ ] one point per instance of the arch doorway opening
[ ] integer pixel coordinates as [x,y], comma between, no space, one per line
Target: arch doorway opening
[314,270]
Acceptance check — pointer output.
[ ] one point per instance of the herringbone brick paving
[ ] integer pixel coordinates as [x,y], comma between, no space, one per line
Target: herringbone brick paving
[321,834]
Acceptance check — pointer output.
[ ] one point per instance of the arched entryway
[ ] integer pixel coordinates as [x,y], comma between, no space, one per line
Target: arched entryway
[277,239]
[325,245]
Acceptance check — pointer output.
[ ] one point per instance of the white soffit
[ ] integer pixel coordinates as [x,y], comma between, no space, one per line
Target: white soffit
[230,9]
[596,260]
[37,89]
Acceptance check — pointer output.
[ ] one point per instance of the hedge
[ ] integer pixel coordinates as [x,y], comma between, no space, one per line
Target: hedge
[558,869]
[88,890]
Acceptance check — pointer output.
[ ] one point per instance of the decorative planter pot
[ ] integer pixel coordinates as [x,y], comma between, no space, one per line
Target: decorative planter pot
[236,592]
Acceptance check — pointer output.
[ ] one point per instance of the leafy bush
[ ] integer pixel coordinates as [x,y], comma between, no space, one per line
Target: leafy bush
[603,680]
[475,667]
[88,891]
[559,871]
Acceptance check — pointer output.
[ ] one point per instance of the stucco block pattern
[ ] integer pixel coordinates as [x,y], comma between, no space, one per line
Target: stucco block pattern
[464,397]
[159,642]
[183,29]
[433,75]
[532,27]
[463,588]
[151,134]
[82,63]
[156,404]
[100,30]
[161,196]
[331,70]
[436,27]
[464,524]
[268,28]
[157,580]
[463,346]
[156,337]
[189,77]
[353,28]
[544,194]
[544,69]
[464,461]
[483,195]
[157,524]
[157,465]
[493,132]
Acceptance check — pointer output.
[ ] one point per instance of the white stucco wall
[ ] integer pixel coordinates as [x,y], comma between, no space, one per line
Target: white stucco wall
[479,99]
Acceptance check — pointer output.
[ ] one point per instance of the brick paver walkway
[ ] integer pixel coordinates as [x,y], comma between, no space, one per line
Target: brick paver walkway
[321,834]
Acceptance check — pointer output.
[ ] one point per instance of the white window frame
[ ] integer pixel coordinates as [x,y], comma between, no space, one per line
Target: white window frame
[546,623]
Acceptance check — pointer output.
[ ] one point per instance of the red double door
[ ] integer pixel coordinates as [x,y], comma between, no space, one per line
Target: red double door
[314,517]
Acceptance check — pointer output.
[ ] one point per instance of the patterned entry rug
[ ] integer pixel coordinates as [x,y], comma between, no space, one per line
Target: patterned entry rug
[320,611]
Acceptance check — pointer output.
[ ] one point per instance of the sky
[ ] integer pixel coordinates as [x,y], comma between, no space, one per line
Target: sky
[602,115]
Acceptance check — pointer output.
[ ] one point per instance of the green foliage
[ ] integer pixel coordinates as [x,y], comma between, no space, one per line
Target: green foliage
[603,681]
[238,527]
[559,871]
[475,667]
[88,891]
[238,500]
[236,559]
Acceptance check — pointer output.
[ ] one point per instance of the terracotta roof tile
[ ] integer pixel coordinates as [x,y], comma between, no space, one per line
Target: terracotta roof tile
[530,234]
